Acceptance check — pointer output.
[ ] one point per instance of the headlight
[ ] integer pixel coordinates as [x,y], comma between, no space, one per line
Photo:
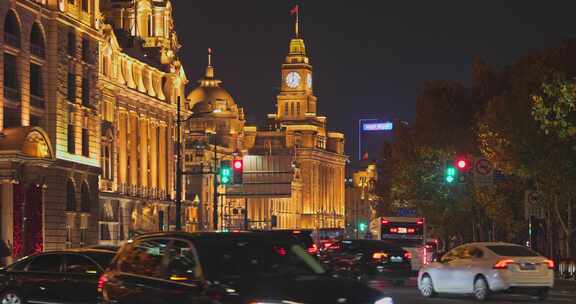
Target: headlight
[386,300]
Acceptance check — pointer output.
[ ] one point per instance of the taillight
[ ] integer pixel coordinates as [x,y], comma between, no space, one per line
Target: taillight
[280,250]
[102,281]
[408,255]
[503,264]
[327,244]
[550,264]
[313,249]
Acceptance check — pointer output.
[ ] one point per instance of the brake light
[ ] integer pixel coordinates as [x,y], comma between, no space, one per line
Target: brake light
[420,222]
[550,264]
[385,222]
[327,244]
[408,255]
[102,281]
[313,249]
[280,250]
[503,264]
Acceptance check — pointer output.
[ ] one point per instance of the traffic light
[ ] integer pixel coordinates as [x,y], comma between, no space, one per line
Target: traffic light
[238,167]
[225,173]
[362,227]
[450,173]
[463,166]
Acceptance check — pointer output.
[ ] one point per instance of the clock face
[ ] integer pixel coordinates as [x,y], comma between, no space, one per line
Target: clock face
[309,80]
[293,80]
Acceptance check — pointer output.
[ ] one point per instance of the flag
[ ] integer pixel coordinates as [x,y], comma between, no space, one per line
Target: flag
[294,10]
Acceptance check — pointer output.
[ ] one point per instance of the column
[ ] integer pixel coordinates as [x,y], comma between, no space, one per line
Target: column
[153,131]
[143,152]
[162,158]
[7,215]
[133,149]
[122,145]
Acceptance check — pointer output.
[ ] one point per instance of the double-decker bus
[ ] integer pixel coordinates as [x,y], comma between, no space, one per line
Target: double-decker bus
[406,232]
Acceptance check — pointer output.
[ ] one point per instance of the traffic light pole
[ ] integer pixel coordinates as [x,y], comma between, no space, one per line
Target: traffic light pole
[215,203]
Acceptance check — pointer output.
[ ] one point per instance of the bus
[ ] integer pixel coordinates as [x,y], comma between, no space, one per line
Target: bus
[406,232]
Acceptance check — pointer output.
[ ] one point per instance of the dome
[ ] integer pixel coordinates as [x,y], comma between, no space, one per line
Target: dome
[209,98]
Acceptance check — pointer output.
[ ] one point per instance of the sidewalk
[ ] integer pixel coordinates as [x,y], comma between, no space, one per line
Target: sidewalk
[565,285]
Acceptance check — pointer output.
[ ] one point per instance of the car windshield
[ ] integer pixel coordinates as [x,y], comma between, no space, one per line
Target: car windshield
[512,251]
[102,258]
[255,257]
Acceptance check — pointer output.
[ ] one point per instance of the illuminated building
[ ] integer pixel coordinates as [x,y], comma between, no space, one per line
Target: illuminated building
[87,89]
[360,197]
[49,124]
[140,80]
[293,169]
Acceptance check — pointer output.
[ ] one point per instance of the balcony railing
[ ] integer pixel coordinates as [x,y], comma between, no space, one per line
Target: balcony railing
[11,39]
[37,50]
[11,94]
[37,101]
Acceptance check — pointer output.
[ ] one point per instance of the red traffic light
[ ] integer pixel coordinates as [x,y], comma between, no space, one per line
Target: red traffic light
[462,164]
[238,164]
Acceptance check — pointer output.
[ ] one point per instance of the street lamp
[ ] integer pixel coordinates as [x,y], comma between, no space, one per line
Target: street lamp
[178,200]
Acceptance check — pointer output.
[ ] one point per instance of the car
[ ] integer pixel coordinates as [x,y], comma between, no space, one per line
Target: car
[224,267]
[54,277]
[303,236]
[485,268]
[368,260]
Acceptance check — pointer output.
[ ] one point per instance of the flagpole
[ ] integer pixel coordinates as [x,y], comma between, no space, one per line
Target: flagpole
[297,21]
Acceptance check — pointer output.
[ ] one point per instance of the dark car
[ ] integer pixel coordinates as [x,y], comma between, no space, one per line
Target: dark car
[54,277]
[303,236]
[106,247]
[239,268]
[368,259]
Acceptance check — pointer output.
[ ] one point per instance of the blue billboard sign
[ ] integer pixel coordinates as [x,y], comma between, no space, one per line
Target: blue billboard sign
[377,126]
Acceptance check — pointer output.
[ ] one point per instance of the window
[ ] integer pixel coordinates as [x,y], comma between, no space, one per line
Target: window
[72,43]
[77,264]
[36,41]
[292,108]
[46,263]
[85,196]
[71,133]
[286,109]
[102,258]
[36,90]
[12,30]
[85,142]
[144,258]
[10,74]
[298,109]
[70,196]
[85,6]
[107,158]
[86,50]
[35,121]
[515,251]
[71,87]
[183,265]
[85,91]
[150,26]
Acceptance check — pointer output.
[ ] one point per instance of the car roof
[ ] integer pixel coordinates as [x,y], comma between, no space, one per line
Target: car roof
[373,243]
[215,235]
[490,244]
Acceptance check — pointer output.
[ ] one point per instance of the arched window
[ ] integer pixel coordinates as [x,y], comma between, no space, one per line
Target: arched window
[298,109]
[12,29]
[85,203]
[70,196]
[37,41]
[292,108]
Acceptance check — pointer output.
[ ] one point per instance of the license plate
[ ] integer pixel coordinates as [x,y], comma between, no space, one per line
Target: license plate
[396,259]
[527,266]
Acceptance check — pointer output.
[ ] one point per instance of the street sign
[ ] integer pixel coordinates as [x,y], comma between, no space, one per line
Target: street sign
[533,206]
[483,172]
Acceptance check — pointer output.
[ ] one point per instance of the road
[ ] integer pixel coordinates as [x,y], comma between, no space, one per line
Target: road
[409,295]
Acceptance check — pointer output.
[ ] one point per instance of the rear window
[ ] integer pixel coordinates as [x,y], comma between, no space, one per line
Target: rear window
[103,259]
[255,257]
[512,251]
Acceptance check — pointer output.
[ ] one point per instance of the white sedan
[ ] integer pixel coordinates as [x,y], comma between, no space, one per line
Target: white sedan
[484,268]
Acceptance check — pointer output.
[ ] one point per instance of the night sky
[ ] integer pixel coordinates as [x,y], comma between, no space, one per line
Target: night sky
[370,57]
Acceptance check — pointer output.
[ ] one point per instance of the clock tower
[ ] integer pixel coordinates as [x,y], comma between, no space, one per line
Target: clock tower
[296,101]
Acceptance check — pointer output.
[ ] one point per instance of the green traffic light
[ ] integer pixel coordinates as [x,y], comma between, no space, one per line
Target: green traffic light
[225,175]
[450,175]
[362,227]
[450,179]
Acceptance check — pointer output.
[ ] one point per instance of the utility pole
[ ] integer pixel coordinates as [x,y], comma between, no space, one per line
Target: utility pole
[178,169]
[246,223]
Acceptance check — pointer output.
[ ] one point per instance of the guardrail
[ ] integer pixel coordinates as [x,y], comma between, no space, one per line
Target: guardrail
[567,269]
